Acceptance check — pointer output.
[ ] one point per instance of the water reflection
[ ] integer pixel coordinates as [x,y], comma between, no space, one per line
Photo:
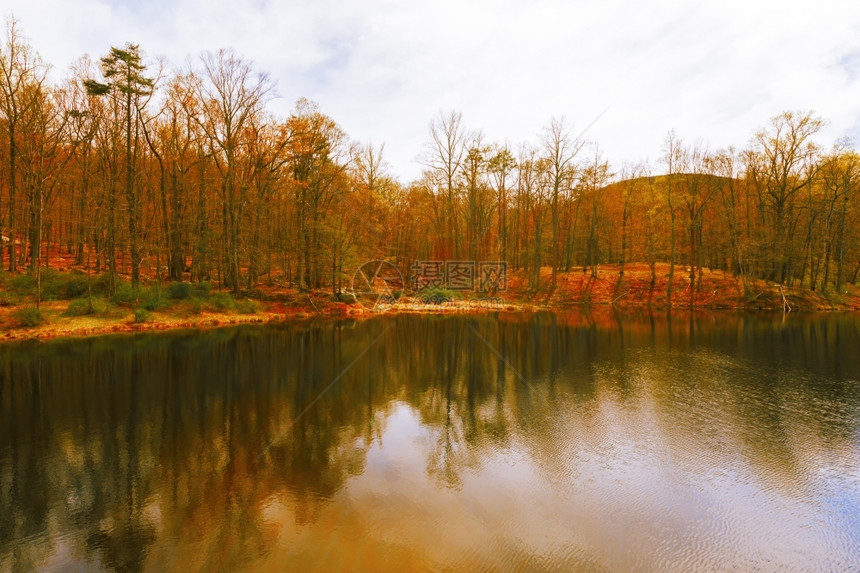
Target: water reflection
[548,442]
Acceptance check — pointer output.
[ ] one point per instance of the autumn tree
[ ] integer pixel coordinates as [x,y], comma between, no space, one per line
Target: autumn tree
[231,95]
[534,191]
[501,167]
[593,178]
[782,162]
[126,83]
[444,158]
[840,180]
[478,206]
[22,81]
[674,157]
[696,189]
[377,196]
[318,158]
[631,188]
[559,150]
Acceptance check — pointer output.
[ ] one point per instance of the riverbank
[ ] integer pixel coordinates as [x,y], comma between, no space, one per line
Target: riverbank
[169,307]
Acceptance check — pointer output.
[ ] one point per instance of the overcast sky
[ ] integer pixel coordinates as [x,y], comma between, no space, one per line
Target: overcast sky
[383,69]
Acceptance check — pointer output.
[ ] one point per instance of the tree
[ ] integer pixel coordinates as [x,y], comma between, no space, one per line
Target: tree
[478,210]
[723,165]
[501,166]
[840,179]
[231,95]
[533,191]
[125,82]
[696,191]
[631,187]
[781,164]
[444,159]
[595,176]
[674,158]
[376,199]
[318,157]
[22,77]
[560,150]
[44,155]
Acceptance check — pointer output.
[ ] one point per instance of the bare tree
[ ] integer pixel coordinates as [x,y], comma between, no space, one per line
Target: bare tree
[501,167]
[444,159]
[231,95]
[783,162]
[674,158]
[22,76]
[560,151]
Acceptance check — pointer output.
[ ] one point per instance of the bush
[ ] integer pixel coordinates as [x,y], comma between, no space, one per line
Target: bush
[179,290]
[222,301]
[141,315]
[202,289]
[124,294]
[438,295]
[249,306]
[81,307]
[154,299]
[99,283]
[73,285]
[55,285]
[23,284]
[29,316]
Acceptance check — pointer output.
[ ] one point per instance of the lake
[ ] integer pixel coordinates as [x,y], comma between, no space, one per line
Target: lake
[505,442]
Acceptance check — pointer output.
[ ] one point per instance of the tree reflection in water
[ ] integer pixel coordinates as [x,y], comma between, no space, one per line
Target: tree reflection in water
[188,450]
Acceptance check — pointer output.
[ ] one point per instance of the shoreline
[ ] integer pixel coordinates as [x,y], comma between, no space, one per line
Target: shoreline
[608,290]
[64,327]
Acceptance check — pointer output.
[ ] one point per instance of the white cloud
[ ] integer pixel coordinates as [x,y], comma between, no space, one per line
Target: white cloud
[384,68]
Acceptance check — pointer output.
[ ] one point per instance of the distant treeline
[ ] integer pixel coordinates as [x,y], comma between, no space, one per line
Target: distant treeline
[126,168]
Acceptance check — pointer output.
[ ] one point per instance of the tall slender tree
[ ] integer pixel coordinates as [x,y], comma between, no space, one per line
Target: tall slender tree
[124,81]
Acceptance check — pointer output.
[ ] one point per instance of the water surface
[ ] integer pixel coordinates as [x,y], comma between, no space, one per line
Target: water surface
[498,442]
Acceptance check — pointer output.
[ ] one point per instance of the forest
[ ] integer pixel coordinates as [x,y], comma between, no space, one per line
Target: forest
[136,173]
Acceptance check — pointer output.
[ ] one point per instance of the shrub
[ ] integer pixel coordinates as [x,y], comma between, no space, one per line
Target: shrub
[249,306]
[141,315]
[29,316]
[73,285]
[54,284]
[124,294]
[154,301]
[23,284]
[81,307]
[99,284]
[202,289]
[179,290]
[222,301]
[438,295]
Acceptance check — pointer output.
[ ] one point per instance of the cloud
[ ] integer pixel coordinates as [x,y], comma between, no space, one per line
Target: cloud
[384,68]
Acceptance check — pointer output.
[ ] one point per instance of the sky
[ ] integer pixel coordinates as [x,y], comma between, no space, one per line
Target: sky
[622,74]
